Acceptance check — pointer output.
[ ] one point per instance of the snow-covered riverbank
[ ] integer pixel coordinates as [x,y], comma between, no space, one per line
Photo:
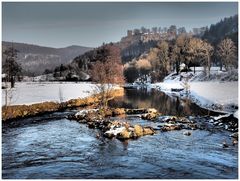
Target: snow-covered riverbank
[215,95]
[211,95]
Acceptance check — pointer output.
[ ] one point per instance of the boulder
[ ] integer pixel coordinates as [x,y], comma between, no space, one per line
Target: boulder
[187,133]
[234,135]
[148,131]
[91,125]
[136,111]
[138,130]
[93,117]
[184,120]
[114,132]
[149,116]
[107,113]
[225,145]
[109,135]
[171,119]
[125,134]
[152,110]
[171,127]
[118,111]
[84,113]
[192,126]
[115,124]
[234,141]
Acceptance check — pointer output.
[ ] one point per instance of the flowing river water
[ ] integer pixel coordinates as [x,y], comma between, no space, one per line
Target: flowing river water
[51,146]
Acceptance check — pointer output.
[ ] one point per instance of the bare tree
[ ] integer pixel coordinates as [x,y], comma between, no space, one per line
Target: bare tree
[206,53]
[11,68]
[179,51]
[201,51]
[154,59]
[193,50]
[107,72]
[144,67]
[164,57]
[227,52]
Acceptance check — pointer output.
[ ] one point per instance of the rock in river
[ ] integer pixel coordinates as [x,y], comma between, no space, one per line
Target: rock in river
[113,132]
[124,134]
[149,116]
[118,111]
[84,113]
[235,135]
[170,127]
[148,131]
[187,133]
[138,130]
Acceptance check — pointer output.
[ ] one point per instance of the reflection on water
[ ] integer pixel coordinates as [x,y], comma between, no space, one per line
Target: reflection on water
[147,98]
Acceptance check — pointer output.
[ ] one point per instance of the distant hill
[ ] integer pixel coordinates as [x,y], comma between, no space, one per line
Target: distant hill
[35,59]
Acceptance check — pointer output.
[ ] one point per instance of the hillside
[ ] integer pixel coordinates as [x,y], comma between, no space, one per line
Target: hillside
[35,59]
[139,44]
[130,48]
[228,27]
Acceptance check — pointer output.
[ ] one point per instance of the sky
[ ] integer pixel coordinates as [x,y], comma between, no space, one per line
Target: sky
[59,24]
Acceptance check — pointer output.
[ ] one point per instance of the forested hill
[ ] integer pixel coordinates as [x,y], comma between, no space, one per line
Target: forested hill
[35,59]
[228,27]
[144,52]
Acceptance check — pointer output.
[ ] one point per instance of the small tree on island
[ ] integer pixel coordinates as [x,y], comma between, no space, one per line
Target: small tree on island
[107,72]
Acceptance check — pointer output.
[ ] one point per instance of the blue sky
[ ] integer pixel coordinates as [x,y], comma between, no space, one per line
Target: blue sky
[59,24]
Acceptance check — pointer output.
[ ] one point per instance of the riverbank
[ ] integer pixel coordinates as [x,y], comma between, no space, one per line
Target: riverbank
[22,111]
[217,96]
[218,92]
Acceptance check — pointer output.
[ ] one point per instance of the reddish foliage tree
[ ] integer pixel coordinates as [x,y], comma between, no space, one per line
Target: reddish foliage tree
[107,72]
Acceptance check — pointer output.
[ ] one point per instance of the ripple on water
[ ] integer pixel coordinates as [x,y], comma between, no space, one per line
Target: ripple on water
[67,149]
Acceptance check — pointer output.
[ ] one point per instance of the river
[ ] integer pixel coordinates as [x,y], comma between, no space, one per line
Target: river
[51,147]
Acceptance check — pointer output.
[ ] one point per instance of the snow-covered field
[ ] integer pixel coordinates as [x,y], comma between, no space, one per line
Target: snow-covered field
[36,92]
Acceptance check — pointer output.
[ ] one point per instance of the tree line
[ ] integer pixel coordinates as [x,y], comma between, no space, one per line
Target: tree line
[168,55]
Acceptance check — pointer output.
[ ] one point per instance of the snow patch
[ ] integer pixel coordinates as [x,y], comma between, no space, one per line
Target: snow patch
[115,131]
[85,112]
